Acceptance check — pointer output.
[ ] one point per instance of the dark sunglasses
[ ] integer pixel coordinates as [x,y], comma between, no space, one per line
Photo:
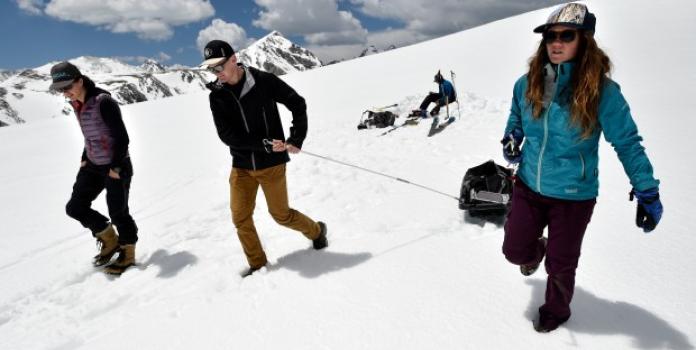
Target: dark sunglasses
[66,88]
[217,68]
[565,36]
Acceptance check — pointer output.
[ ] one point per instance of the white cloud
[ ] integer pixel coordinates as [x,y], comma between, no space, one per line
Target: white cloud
[32,7]
[221,30]
[424,19]
[163,57]
[319,21]
[152,19]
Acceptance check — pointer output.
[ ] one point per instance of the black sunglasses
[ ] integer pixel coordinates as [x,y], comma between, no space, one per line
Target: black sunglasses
[565,36]
[217,68]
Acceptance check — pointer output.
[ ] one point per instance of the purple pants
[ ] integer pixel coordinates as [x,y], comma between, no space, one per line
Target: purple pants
[566,221]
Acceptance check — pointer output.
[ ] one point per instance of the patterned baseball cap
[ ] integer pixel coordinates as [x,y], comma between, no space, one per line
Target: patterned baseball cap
[572,15]
[63,74]
[215,52]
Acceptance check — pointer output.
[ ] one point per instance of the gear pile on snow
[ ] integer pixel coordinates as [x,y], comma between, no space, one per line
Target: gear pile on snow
[380,119]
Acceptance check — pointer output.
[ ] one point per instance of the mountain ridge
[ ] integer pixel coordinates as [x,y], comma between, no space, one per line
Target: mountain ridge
[24,94]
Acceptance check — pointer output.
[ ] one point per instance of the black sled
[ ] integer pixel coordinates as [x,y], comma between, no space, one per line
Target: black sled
[486,189]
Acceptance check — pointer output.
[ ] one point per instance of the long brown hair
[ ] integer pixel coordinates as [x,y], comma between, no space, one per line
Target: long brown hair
[592,67]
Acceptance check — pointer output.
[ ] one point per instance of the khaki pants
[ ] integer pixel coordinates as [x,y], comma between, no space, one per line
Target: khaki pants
[244,185]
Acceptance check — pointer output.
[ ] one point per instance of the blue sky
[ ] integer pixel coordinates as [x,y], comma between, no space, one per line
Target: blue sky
[35,32]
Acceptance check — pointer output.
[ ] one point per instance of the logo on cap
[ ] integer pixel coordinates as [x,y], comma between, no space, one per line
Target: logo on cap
[60,75]
[208,52]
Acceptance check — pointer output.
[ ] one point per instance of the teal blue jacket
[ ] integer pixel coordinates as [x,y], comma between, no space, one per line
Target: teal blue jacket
[556,161]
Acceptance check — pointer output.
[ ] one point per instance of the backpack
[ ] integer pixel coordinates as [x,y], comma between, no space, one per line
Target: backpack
[486,188]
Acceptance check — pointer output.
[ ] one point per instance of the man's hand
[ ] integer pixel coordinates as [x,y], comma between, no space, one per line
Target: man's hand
[278,146]
[292,148]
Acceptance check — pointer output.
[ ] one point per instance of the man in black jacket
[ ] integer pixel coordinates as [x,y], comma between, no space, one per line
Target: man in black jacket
[243,101]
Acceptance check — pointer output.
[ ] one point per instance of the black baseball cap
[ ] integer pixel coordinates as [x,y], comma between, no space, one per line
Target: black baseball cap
[215,52]
[571,15]
[63,74]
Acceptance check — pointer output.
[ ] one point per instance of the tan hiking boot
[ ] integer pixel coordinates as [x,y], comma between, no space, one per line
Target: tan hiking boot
[107,241]
[126,259]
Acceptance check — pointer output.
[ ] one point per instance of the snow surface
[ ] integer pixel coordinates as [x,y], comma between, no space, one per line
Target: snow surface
[405,269]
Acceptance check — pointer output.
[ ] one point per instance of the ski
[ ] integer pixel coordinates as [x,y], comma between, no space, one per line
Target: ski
[436,127]
[410,120]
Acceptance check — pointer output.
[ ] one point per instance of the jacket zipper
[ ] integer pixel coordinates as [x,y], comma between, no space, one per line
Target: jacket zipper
[582,162]
[246,125]
[546,129]
[263,112]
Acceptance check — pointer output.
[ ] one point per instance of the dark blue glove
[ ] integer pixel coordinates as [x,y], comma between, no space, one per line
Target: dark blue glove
[511,146]
[649,210]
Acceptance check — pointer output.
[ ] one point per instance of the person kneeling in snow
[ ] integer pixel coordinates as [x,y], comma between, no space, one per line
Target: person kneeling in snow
[443,97]
[560,108]
[243,102]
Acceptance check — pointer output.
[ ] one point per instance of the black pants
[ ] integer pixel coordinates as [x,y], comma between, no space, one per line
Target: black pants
[433,97]
[91,181]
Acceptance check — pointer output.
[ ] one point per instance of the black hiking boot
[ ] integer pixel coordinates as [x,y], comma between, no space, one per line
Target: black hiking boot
[321,242]
[529,269]
[250,271]
[545,323]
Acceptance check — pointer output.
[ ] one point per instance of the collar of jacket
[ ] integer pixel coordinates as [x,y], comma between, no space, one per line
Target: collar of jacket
[249,83]
[559,73]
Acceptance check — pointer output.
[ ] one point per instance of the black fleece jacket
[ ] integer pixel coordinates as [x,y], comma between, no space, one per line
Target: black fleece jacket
[246,115]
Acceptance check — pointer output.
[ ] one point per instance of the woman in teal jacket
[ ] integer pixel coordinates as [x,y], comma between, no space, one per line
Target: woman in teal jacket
[559,109]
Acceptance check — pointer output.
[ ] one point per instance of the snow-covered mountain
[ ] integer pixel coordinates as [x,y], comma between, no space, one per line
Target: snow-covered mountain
[24,95]
[405,268]
[4,74]
[371,50]
[276,54]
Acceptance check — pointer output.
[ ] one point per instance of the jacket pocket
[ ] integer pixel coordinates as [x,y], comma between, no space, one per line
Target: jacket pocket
[582,166]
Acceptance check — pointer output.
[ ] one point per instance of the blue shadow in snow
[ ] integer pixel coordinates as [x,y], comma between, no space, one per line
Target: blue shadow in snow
[597,316]
[312,264]
[171,264]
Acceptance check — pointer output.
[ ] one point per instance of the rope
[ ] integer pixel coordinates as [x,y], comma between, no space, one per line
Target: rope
[378,173]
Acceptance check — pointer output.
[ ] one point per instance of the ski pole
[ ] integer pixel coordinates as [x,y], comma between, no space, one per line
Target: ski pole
[378,173]
[454,85]
[379,109]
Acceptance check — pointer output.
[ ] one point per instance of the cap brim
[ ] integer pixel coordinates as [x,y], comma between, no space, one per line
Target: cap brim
[542,28]
[61,84]
[211,62]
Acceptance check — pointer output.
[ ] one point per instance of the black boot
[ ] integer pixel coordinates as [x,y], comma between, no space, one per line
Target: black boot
[250,271]
[529,269]
[321,242]
[545,323]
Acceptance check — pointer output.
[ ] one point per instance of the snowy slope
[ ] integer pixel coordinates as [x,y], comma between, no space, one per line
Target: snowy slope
[405,268]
